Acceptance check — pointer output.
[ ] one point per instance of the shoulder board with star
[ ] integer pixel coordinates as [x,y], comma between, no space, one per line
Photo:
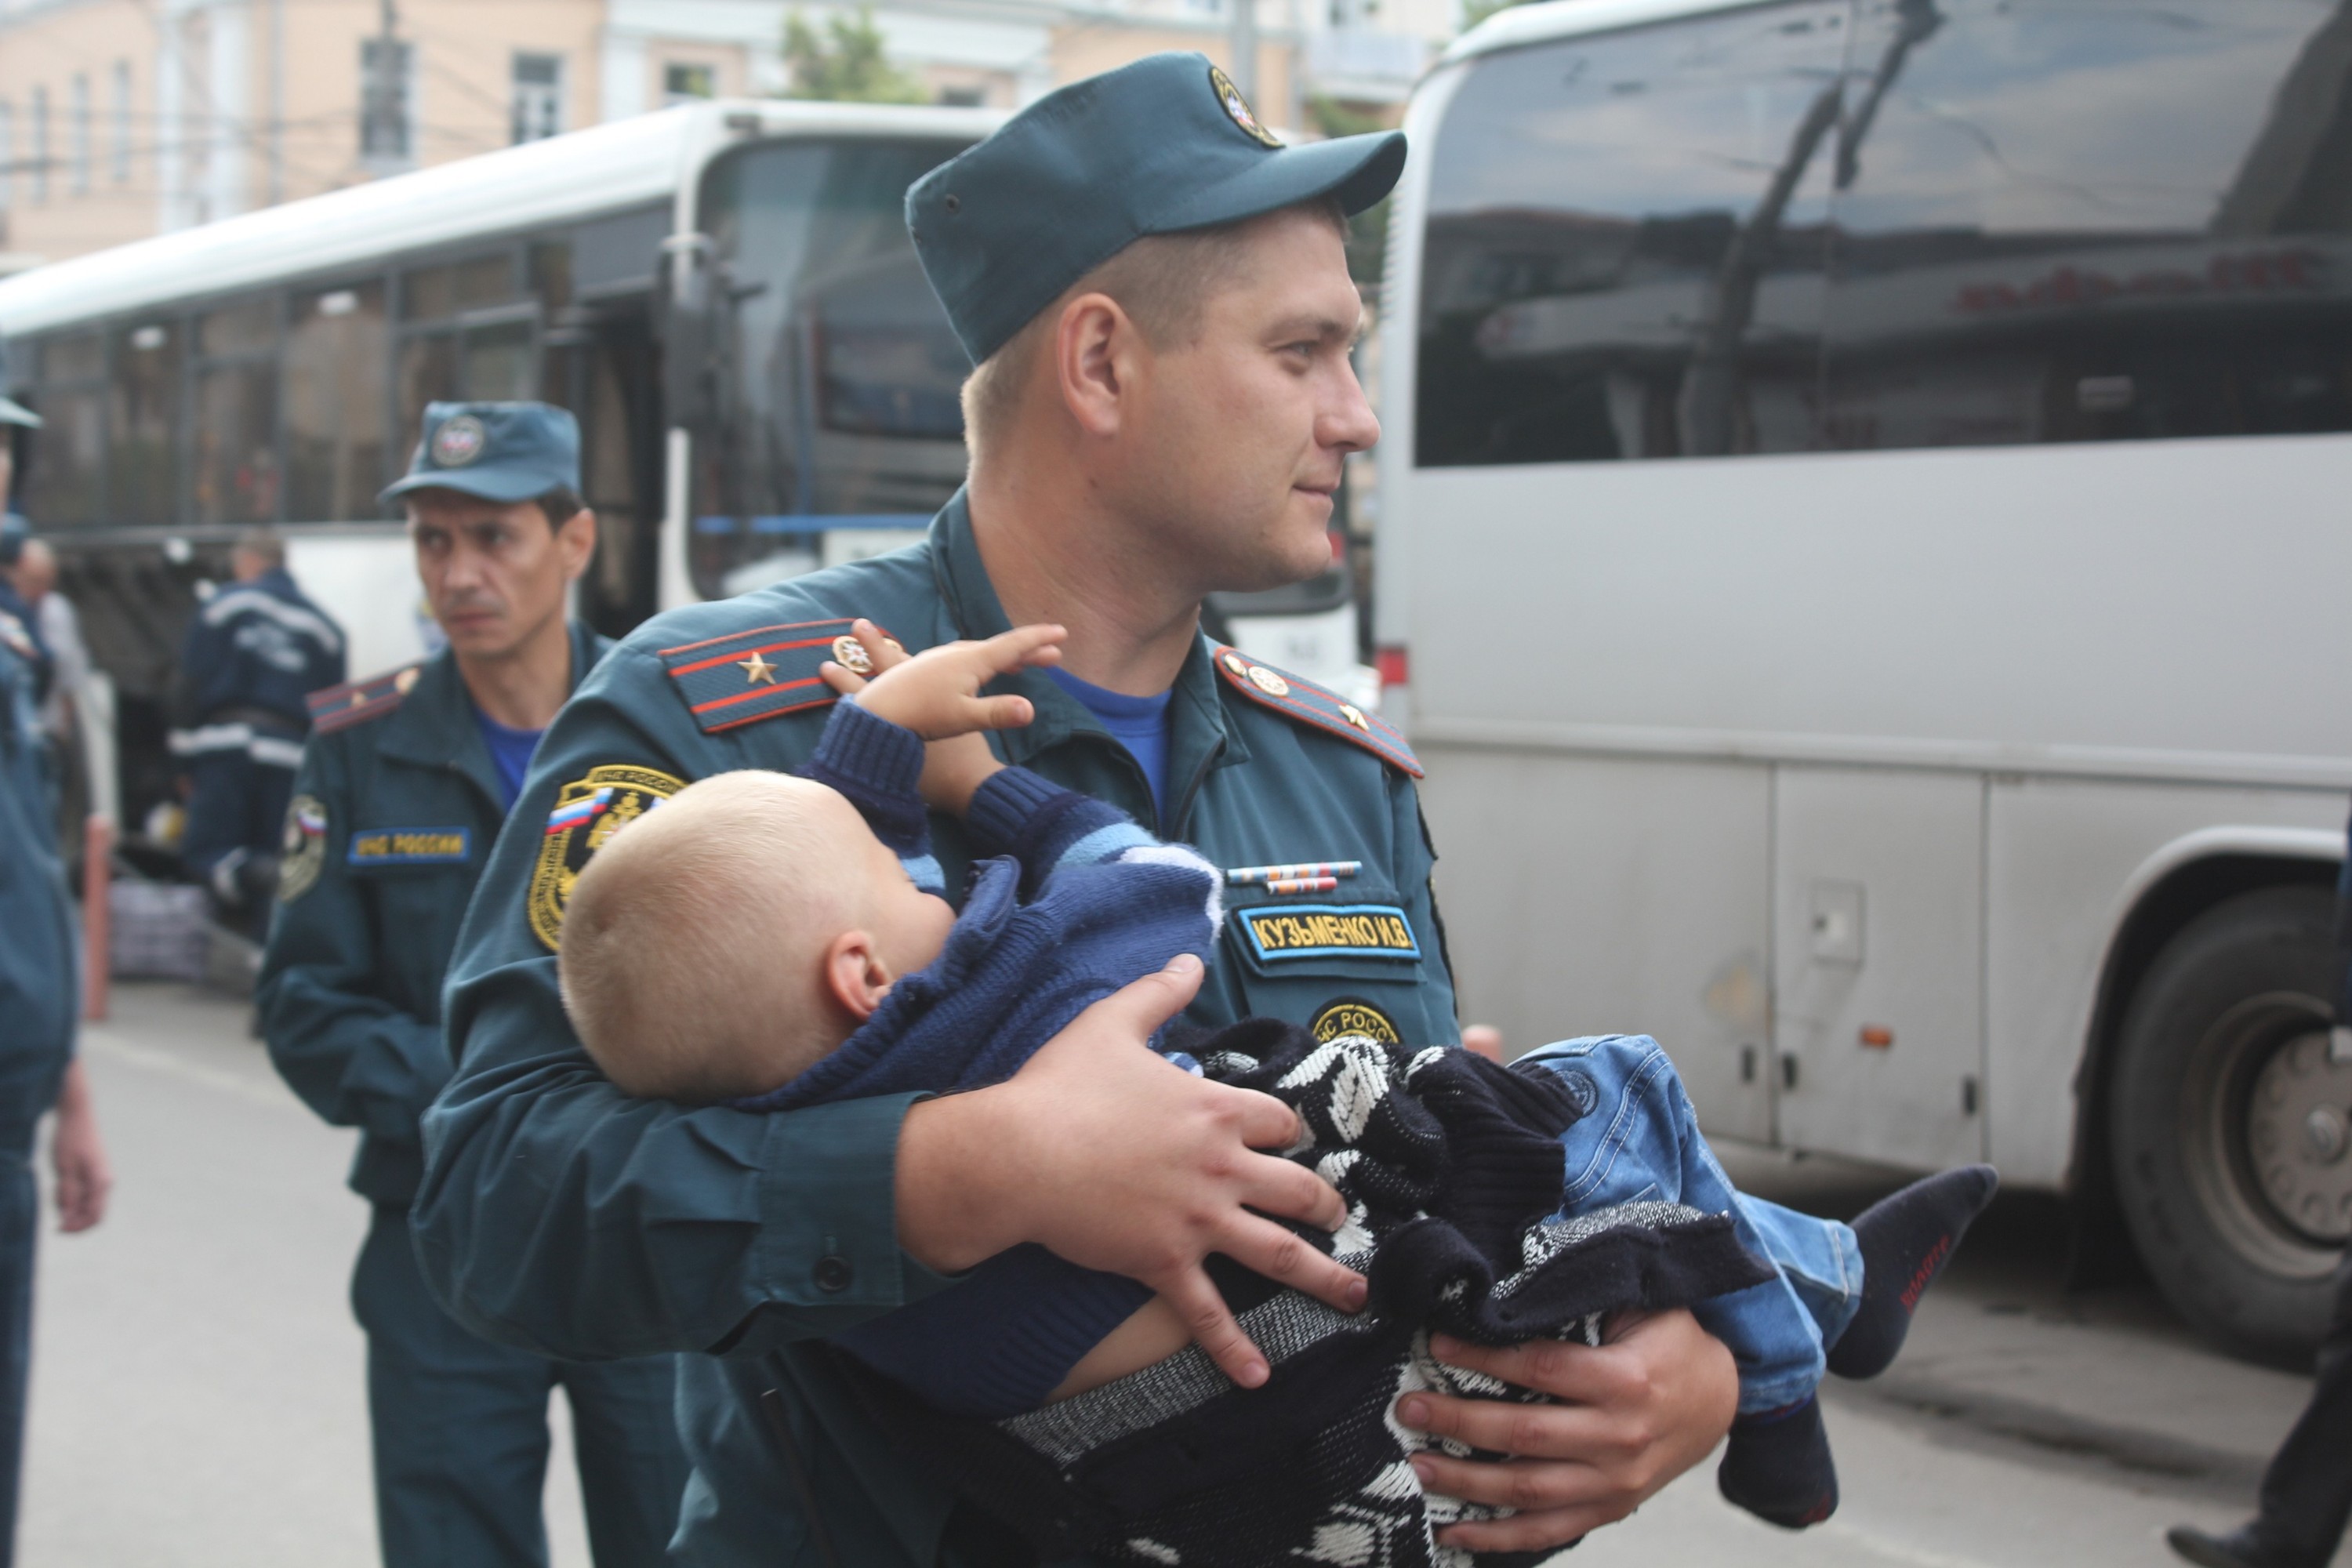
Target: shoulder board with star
[745,677]
[357,701]
[1305,702]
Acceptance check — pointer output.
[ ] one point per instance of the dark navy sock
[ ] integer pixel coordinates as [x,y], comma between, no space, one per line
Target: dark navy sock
[1778,1466]
[1905,1240]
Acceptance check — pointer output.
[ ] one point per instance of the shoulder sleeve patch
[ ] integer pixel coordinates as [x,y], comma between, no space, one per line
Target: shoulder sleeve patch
[743,678]
[1309,704]
[357,701]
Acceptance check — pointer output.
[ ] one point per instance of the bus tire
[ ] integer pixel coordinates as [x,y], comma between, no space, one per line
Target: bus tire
[2227,1119]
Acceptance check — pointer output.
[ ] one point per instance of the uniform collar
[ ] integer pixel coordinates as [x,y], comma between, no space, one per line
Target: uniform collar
[1200,738]
[434,725]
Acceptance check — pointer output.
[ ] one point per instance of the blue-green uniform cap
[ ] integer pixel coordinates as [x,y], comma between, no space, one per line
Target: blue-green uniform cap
[499,451]
[1156,147]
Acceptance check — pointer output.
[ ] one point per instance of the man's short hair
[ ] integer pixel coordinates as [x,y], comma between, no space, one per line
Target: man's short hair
[561,505]
[264,544]
[1163,281]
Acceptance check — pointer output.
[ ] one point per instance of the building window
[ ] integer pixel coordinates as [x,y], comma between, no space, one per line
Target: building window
[77,169]
[122,107]
[538,97]
[684,84]
[387,104]
[40,148]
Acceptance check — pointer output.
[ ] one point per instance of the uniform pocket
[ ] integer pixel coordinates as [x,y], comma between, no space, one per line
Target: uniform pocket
[1353,962]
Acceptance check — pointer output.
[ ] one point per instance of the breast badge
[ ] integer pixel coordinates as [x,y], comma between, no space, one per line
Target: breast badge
[302,849]
[1353,1016]
[587,814]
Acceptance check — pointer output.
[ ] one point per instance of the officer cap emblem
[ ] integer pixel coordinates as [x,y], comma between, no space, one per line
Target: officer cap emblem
[1237,108]
[459,441]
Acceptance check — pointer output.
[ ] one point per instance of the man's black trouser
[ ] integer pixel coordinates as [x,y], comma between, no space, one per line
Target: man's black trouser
[2307,1490]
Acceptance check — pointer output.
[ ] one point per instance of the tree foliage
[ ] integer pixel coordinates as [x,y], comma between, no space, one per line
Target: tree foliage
[845,61]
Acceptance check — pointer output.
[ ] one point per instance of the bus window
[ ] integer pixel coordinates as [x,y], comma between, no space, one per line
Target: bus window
[143,471]
[428,373]
[236,468]
[1624,244]
[437,293]
[838,409]
[335,377]
[65,481]
[2065,223]
[499,362]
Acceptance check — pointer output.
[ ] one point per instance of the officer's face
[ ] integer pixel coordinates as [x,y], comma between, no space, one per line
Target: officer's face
[495,574]
[1246,430]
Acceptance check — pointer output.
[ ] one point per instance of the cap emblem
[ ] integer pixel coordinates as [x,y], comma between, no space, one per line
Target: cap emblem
[1238,108]
[459,441]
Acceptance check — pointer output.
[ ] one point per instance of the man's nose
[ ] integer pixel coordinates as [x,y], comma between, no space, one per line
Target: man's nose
[1350,424]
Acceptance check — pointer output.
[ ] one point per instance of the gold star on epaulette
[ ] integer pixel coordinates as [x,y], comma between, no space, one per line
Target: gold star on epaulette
[756,670]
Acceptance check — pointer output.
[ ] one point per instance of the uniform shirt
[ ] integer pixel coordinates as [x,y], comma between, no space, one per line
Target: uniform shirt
[39,983]
[560,1214]
[1139,723]
[511,751]
[389,827]
[260,644]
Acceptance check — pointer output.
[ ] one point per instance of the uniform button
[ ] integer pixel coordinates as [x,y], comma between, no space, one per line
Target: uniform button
[833,1274]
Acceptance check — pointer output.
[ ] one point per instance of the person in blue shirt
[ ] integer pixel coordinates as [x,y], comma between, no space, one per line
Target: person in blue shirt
[402,789]
[254,651]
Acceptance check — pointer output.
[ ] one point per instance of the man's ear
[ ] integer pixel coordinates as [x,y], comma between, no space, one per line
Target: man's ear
[1097,350]
[577,540]
[855,974]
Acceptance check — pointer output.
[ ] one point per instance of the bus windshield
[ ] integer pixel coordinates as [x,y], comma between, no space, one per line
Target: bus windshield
[838,424]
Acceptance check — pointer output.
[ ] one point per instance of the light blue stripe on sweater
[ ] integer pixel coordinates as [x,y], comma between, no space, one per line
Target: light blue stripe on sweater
[924,871]
[1105,842]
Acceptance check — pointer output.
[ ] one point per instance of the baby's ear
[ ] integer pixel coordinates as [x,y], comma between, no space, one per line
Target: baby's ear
[855,974]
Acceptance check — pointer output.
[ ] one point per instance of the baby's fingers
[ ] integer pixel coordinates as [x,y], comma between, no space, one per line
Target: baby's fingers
[848,682]
[880,647]
[1022,647]
[998,713]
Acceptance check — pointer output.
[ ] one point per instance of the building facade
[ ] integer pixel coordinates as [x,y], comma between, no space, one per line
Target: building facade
[120,119]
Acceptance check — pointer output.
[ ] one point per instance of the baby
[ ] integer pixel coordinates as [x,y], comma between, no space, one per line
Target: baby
[769,940]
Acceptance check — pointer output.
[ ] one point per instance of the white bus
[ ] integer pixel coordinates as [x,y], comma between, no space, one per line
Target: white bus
[724,293]
[1866,537]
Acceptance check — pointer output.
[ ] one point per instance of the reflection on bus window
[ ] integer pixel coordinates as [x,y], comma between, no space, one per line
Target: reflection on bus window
[237,444]
[335,375]
[2072,223]
[65,483]
[500,365]
[838,406]
[143,469]
[434,293]
[428,373]
[1625,242]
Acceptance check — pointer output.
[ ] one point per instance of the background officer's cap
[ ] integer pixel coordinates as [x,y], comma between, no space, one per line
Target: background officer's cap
[1156,147]
[499,451]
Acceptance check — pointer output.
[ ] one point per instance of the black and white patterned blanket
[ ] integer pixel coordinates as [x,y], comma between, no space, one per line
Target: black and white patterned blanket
[1452,1170]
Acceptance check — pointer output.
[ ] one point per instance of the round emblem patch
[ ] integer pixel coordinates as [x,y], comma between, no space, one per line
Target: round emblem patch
[1353,1016]
[587,812]
[1265,680]
[303,849]
[1237,108]
[458,442]
[850,655]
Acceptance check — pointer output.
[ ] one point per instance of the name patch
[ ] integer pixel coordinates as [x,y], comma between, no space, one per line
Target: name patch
[1279,931]
[408,847]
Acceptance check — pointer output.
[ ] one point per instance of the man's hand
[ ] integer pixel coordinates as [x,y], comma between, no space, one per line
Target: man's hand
[1115,1159]
[1634,1413]
[936,693]
[78,1156]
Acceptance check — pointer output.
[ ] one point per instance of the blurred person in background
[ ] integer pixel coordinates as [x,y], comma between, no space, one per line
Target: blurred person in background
[403,784]
[38,996]
[2306,1494]
[57,626]
[254,651]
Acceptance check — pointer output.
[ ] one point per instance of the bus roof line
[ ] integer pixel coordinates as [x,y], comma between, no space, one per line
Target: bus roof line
[1519,25]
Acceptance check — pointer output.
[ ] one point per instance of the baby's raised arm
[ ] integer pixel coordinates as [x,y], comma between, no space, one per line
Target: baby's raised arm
[936,694]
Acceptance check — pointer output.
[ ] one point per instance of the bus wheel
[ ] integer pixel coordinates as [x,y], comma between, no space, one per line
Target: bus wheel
[2231,1126]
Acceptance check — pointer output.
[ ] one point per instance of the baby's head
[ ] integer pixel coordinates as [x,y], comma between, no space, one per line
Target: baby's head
[726,941]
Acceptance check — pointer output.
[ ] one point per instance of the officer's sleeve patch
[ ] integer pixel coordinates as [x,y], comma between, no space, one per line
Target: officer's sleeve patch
[1311,705]
[741,679]
[357,701]
[303,849]
[588,811]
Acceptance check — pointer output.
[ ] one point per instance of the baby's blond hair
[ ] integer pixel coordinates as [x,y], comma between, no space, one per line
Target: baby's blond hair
[690,956]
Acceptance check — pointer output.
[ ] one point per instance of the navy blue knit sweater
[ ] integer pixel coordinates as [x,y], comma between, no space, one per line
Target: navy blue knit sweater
[1079,902]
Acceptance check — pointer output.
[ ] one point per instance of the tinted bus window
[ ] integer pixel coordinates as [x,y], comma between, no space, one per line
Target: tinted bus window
[235,458]
[432,293]
[838,400]
[142,472]
[1624,244]
[2069,223]
[336,379]
[65,482]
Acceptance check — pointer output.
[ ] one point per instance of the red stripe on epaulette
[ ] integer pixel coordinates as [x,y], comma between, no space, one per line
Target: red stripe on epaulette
[761,673]
[356,702]
[1316,707]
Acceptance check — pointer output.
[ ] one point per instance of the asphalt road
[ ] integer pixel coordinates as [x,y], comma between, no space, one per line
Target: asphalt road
[197,1395]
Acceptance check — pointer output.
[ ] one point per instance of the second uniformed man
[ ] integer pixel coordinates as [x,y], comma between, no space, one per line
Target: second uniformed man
[401,790]
[1156,294]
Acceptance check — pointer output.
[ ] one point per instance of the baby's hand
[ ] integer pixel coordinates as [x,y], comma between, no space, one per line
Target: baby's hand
[936,693]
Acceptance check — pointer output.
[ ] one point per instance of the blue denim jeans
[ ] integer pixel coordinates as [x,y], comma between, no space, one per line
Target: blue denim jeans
[1640,1140]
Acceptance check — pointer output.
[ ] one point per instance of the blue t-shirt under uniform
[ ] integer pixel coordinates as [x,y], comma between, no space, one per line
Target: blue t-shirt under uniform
[511,751]
[1139,723]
